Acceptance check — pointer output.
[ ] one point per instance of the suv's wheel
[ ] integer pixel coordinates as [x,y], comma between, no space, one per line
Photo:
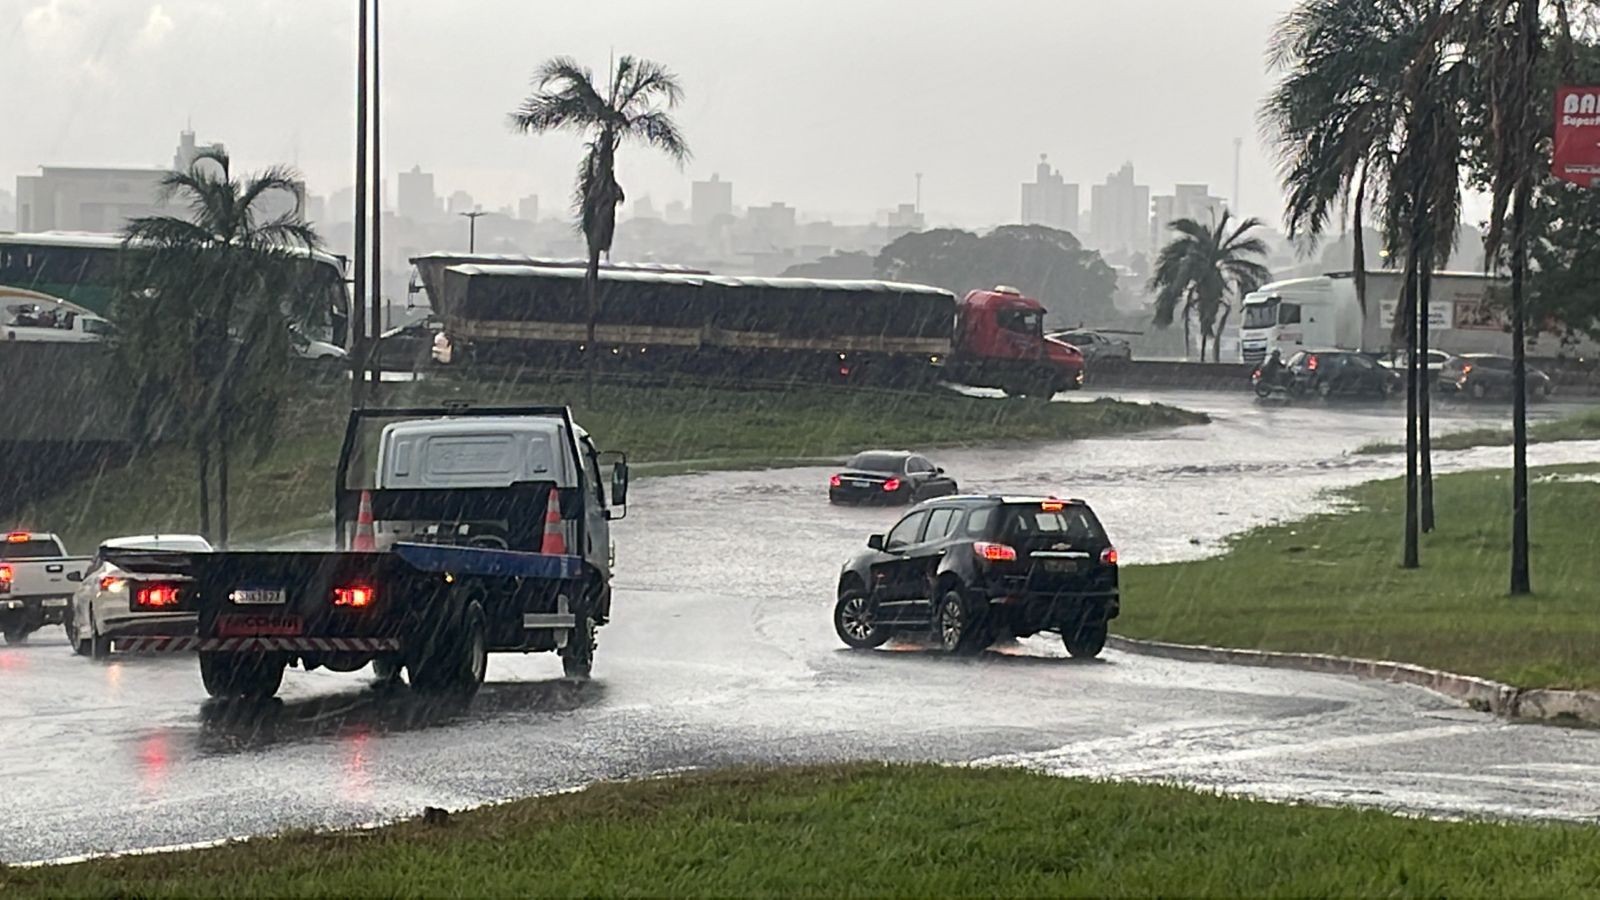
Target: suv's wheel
[856,621]
[1478,390]
[1087,642]
[957,630]
[17,635]
[96,646]
[1324,389]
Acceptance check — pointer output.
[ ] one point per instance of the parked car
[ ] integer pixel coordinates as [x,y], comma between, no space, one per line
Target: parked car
[889,476]
[1339,373]
[1396,361]
[101,611]
[35,583]
[1483,375]
[1096,346]
[965,571]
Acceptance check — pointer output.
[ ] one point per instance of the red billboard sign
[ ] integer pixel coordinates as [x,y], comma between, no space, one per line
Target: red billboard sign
[1577,151]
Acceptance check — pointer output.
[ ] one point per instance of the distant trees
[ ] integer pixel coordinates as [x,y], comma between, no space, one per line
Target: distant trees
[205,312]
[1045,263]
[632,107]
[1200,268]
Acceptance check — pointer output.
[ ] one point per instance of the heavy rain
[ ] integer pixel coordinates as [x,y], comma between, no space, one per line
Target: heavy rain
[640,441]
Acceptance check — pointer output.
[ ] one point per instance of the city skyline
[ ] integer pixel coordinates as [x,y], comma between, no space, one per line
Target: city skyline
[765,105]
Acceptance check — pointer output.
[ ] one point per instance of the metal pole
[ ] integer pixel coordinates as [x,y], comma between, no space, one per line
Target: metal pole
[472,229]
[377,207]
[358,326]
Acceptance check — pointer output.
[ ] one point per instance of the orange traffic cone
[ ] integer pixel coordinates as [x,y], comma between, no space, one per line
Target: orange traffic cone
[555,537]
[364,537]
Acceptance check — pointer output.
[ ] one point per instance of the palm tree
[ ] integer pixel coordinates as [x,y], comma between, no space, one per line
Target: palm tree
[1508,39]
[1368,110]
[565,98]
[1201,266]
[207,316]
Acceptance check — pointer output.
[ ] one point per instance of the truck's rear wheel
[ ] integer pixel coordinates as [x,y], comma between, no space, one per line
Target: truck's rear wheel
[577,660]
[17,635]
[228,675]
[460,660]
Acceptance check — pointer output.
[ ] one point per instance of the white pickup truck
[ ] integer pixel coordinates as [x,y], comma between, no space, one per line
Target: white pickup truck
[34,589]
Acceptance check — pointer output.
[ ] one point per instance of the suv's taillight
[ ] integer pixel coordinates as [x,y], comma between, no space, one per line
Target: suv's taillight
[5,578]
[355,595]
[994,552]
[156,596]
[1108,556]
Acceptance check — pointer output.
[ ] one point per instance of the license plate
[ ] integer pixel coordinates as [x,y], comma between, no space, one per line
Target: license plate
[861,484]
[257,596]
[1060,565]
[259,625]
[54,602]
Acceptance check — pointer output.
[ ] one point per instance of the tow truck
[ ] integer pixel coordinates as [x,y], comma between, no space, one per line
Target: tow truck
[463,531]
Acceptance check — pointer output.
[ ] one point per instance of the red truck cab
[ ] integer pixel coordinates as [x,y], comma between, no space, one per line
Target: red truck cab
[1000,343]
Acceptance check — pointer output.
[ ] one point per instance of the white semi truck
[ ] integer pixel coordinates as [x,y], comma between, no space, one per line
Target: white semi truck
[1322,313]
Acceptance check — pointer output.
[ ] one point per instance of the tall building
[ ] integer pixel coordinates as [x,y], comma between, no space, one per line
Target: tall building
[1194,201]
[416,200]
[188,151]
[774,223]
[905,218]
[460,202]
[528,208]
[1120,213]
[81,198]
[342,205]
[710,200]
[1050,200]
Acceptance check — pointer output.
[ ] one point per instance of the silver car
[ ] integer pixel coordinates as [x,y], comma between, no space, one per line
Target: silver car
[101,612]
[1096,346]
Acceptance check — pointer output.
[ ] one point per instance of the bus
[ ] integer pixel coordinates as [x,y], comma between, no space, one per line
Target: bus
[79,271]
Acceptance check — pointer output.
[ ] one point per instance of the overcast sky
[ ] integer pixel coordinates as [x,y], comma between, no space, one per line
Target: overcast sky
[829,105]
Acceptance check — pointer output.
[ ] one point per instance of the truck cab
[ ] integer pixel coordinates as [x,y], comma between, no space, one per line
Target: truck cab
[1000,343]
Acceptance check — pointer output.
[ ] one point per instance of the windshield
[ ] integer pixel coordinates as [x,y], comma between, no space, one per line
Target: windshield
[1073,523]
[1021,321]
[1261,315]
[892,463]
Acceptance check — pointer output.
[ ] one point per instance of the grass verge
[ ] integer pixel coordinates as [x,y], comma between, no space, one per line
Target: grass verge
[1584,426]
[870,830]
[1333,584]
[666,428]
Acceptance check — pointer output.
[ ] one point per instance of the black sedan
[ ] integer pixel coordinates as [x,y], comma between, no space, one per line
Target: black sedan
[1340,373]
[1481,375]
[889,476]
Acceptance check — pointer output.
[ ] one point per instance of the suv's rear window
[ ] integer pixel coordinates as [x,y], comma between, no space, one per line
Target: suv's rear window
[31,549]
[1072,523]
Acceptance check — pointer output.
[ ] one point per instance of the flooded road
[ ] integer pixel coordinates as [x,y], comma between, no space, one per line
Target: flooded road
[721,653]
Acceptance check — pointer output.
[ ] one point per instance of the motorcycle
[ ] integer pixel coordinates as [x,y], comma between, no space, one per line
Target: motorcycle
[1276,386]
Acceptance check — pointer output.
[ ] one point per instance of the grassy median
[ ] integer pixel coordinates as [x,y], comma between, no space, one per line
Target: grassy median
[1333,584]
[677,427]
[912,831]
[1584,426]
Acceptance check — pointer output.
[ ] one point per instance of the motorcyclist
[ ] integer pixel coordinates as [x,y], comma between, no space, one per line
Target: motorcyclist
[1272,369]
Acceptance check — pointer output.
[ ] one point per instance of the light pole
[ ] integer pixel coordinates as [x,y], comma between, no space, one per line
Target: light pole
[472,228]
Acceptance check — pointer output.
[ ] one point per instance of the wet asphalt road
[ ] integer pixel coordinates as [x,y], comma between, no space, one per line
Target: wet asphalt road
[721,652]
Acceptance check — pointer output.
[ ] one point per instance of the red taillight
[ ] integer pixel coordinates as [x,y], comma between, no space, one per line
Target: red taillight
[844,370]
[994,552]
[1053,505]
[5,575]
[354,596]
[892,485]
[1108,556]
[156,596]
[1311,363]
[111,583]
[835,481]
[17,537]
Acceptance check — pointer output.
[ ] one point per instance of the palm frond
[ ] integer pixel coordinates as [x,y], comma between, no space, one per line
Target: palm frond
[659,130]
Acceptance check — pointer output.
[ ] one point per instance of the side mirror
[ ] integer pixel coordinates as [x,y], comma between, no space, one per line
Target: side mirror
[74,576]
[938,470]
[875,542]
[619,483]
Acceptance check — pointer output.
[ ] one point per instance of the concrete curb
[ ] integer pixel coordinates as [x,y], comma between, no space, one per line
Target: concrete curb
[1551,706]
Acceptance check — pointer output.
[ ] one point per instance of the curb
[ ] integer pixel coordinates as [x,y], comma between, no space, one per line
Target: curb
[1534,704]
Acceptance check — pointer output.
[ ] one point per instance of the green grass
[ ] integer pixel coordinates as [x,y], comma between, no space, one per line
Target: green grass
[871,830]
[1584,426]
[664,428]
[1333,584]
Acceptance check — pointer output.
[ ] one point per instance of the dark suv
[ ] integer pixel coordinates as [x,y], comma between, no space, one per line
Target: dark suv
[966,571]
[1481,375]
[1340,373]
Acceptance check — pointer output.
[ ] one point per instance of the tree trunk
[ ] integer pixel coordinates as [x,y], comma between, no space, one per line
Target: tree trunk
[1188,338]
[1408,308]
[1424,428]
[1358,267]
[222,485]
[1521,580]
[592,358]
[1216,346]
